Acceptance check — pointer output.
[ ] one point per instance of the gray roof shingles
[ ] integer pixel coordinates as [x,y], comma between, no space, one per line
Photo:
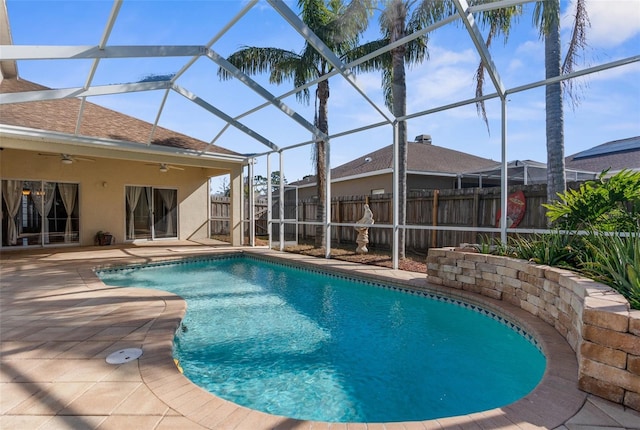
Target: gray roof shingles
[421,157]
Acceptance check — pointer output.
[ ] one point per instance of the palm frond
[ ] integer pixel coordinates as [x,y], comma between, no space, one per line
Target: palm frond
[577,45]
[255,60]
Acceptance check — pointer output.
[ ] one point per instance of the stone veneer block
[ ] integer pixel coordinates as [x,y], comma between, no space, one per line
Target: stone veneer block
[535,270]
[621,378]
[634,322]
[507,272]
[493,277]
[466,279]
[601,388]
[472,288]
[435,252]
[623,341]
[466,264]
[511,298]
[529,307]
[486,267]
[490,292]
[519,265]
[432,259]
[452,283]
[456,255]
[633,365]
[497,260]
[632,400]
[609,314]
[512,282]
[604,355]
[475,257]
[435,280]
[551,286]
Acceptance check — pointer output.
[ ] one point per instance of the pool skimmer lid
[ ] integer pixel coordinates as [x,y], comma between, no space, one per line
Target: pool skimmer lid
[124,355]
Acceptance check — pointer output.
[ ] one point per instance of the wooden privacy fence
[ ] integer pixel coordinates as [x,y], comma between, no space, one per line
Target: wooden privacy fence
[469,207]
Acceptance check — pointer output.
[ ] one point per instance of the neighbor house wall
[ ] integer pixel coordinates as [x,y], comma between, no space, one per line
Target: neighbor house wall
[102,185]
[364,186]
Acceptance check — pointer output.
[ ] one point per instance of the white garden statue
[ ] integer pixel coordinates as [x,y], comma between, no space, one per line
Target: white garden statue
[363,230]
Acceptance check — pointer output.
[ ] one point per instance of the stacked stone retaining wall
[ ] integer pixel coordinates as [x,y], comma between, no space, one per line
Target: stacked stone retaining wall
[594,319]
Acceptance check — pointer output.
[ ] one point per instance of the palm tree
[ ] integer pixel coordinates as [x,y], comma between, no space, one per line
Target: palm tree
[399,19]
[547,19]
[338,25]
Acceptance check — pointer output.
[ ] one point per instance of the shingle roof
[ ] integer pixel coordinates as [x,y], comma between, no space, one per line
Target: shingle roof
[615,155]
[61,116]
[421,157]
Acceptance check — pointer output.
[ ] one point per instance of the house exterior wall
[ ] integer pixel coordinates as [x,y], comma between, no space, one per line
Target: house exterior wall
[101,190]
[364,186]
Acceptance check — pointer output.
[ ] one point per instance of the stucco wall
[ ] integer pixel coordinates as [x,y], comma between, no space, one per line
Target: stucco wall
[101,190]
[594,319]
[364,186]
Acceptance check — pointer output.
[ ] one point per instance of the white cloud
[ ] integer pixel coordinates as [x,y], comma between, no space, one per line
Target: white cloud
[613,22]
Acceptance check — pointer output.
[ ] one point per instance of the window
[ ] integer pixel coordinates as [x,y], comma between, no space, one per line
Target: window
[39,213]
[377,191]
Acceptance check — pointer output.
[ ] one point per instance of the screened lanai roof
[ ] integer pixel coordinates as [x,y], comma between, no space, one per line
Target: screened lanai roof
[134,63]
[158,61]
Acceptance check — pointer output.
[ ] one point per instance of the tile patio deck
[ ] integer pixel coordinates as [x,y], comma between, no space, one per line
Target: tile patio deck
[59,322]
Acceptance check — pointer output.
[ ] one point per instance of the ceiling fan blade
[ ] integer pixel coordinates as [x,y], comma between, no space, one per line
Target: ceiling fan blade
[84,159]
[174,167]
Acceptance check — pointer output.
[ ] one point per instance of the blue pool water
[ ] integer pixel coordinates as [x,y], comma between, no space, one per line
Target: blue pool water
[308,345]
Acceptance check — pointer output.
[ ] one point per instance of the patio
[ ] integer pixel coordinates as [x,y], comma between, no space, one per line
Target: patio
[59,323]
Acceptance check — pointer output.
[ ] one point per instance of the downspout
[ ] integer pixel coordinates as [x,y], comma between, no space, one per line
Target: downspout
[396,190]
[327,201]
[281,204]
[269,200]
[504,179]
[252,202]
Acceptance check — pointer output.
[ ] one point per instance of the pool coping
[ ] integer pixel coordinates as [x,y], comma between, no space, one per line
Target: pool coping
[554,400]
[552,403]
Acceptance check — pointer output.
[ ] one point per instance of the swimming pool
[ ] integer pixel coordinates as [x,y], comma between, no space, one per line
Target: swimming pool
[309,345]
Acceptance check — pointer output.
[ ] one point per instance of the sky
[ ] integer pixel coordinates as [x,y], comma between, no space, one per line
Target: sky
[609,106]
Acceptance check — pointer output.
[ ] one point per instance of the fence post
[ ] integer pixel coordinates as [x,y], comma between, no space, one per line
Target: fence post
[434,219]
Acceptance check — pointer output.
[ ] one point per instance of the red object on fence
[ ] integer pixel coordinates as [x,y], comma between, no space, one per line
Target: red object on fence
[516,207]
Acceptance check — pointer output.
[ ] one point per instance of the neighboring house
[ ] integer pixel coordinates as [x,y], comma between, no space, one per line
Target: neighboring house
[525,172]
[428,167]
[613,156]
[69,171]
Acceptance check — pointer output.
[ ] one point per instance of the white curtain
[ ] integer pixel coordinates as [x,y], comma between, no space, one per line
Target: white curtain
[169,200]
[133,195]
[12,194]
[43,200]
[68,192]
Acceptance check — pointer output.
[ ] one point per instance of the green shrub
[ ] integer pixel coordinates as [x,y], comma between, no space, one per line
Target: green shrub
[611,204]
[614,260]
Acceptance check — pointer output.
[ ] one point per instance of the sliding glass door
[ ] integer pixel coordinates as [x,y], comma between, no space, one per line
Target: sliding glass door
[39,213]
[152,213]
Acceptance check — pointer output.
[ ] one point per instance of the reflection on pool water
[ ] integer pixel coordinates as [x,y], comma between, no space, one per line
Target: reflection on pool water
[308,345]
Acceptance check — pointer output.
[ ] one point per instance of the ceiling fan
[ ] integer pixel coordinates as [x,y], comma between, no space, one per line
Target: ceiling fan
[67,158]
[164,167]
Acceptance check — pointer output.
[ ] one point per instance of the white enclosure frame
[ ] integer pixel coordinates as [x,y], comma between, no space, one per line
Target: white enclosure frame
[193,53]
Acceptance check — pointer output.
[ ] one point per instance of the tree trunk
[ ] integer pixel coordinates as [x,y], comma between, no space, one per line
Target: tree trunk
[321,156]
[399,94]
[556,181]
